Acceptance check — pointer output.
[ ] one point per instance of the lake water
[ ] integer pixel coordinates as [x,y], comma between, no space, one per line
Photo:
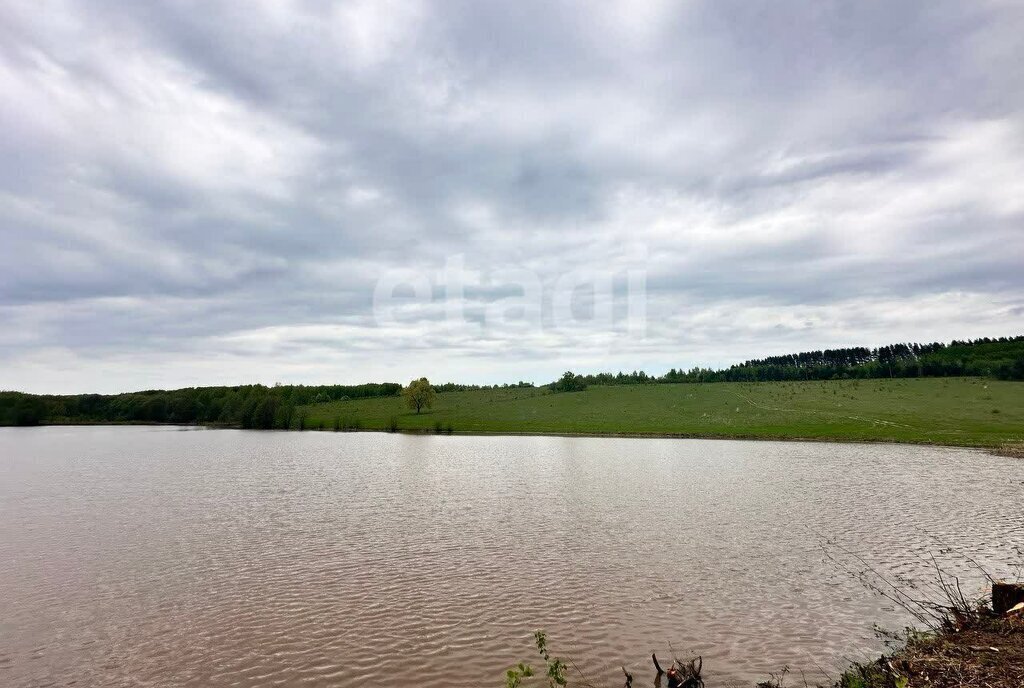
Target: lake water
[157,556]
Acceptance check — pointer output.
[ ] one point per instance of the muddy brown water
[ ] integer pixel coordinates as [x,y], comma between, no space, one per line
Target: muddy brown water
[157,556]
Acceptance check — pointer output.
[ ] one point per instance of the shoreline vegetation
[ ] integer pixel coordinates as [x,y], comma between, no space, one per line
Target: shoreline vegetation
[960,643]
[1013,451]
[973,648]
[982,650]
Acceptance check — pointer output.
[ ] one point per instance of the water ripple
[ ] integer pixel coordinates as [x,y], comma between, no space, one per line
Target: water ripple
[153,557]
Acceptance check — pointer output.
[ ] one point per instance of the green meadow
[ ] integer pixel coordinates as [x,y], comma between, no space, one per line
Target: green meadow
[953,411]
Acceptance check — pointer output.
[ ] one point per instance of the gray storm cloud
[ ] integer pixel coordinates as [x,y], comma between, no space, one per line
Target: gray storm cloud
[208,193]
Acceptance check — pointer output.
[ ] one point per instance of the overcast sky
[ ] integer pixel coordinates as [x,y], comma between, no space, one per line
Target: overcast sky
[210,193]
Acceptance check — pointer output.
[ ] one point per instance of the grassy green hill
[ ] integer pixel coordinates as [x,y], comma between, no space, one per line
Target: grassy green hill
[956,411]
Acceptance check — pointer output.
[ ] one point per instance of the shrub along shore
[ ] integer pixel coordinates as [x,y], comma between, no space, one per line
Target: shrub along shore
[972,646]
[967,644]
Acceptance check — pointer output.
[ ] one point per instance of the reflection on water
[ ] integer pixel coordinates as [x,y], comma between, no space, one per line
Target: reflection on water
[158,556]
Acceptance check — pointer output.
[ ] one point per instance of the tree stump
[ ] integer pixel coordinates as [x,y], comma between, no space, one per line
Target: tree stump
[1005,596]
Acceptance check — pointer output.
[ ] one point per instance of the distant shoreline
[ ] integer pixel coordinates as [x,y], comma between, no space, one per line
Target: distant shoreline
[946,412]
[997,450]
[951,412]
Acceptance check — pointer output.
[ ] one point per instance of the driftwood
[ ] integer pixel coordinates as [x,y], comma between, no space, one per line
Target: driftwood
[680,674]
[656,665]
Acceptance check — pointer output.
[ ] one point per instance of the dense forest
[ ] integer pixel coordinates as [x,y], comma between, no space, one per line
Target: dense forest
[248,406]
[1001,358]
[258,406]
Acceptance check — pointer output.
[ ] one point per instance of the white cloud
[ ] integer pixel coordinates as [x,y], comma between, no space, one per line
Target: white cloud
[209,196]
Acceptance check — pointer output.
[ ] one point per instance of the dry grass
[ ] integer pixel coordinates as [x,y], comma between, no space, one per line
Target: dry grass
[966,645]
[987,652]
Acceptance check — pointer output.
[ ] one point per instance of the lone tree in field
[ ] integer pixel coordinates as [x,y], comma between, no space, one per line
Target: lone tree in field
[419,394]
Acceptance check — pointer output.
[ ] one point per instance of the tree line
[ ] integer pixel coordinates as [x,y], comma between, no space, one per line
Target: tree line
[1001,358]
[246,406]
[259,406]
